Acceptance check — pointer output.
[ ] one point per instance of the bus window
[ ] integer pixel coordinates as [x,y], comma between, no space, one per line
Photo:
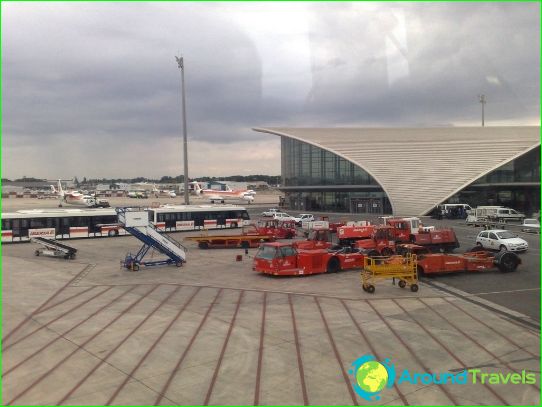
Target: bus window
[151,217]
[161,217]
[244,215]
[37,223]
[198,219]
[6,224]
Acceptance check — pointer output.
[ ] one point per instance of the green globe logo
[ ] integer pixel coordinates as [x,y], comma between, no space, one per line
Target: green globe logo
[372,376]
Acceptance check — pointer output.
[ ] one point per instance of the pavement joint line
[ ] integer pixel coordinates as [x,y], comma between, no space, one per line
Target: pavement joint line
[37,310]
[45,325]
[118,345]
[223,350]
[79,347]
[298,351]
[302,293]
[473,340]
[491,328]
[65,300]
[63,335]
[151,348]
[372,348]
[83,274]
[165,388]
[411,351]
[337,354]
[447,349]
[514,317]
[260,352]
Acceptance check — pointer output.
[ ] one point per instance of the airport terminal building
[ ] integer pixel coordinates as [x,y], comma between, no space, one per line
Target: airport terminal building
[409,171]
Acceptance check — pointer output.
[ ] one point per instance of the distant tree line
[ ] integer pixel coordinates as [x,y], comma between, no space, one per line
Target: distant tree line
[270,179]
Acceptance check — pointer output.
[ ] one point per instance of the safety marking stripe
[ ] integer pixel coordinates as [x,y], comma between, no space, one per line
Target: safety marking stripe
[298,350]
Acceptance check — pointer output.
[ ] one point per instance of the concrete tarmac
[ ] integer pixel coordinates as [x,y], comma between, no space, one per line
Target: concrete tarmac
[86,331]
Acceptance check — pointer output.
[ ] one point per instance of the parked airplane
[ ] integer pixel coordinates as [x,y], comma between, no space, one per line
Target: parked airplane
[76,198]
[157,193]
[223,196]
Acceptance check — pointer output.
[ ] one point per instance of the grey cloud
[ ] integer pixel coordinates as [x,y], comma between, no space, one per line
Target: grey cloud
[105,71]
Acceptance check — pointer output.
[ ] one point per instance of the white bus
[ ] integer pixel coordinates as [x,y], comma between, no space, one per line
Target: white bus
[20,226]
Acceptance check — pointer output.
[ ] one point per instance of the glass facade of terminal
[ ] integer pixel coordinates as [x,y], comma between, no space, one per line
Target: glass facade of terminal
[514,185]
[314,179]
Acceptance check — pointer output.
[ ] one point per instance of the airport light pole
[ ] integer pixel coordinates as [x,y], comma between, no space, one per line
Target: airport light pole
[483,102]
[180,62]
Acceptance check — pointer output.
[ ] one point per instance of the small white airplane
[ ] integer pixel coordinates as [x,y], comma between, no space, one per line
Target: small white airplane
[157,193]
[75,198]
[212,195]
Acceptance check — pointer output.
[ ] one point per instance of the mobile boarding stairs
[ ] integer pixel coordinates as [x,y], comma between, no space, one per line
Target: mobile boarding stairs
[136,222]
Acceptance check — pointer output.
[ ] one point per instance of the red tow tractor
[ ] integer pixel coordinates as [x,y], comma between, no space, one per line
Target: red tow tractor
[283,259]
[475,260]
[279,229]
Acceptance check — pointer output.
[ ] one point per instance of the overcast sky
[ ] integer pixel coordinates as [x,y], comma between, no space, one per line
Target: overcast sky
[94,90]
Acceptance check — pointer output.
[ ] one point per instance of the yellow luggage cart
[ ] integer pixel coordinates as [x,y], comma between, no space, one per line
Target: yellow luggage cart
[405,269]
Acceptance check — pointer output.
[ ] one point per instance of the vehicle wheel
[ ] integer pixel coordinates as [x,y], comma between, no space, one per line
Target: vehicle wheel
[203,245]
[503,248]
[371,289]
[373,253]
[507,262]
[179,264]
[479,244]
[414,288]
[334,265]
[364,288]
[37,252]
[245,245]
[386,251]
[135,267]
[402,283]
[112,233]
[212,201]
[72,256]
[233,225]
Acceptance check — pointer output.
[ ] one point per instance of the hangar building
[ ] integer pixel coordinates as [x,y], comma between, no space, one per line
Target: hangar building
[409,171]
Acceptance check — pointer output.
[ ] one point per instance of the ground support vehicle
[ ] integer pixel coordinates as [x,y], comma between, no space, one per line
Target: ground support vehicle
[354,231]
[282,259]
[53,248]
[475,260]
[381,242]
[270,212]
[250,237]
[279,229]
[530,225]
[136,222]
[318,239]
[405,269]
[503,215]
[411,230]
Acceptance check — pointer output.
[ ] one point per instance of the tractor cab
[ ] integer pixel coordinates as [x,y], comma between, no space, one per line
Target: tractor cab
[382,242]
[275,258]
[318,239]
[279,229]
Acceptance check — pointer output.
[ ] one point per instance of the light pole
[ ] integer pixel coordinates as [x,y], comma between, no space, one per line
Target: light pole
[185,142]
[483,102]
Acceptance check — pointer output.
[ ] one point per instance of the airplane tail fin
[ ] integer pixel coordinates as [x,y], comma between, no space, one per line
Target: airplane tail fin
[197,188]
[53,189]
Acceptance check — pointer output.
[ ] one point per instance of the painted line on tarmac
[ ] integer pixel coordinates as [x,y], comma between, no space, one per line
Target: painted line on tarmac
[260,352]
[117,346]
[513,316]
[152,347]
[40,308]
[76,307]
[372,348]
[337,354]
[411,351]
[447,349]
[485,349]
[223,350]
[65,300]
[79,347]
[298,351]
[63,335]
[165,388]
[492,329]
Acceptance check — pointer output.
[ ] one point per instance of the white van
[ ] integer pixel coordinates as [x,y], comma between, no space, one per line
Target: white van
[481,214]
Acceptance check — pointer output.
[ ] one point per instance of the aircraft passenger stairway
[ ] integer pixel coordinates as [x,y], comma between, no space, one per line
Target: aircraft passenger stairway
[136,222]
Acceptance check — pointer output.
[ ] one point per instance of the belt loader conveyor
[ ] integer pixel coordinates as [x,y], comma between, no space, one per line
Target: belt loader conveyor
[53,248]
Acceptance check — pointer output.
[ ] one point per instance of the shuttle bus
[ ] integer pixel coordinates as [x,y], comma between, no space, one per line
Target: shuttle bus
[20,226]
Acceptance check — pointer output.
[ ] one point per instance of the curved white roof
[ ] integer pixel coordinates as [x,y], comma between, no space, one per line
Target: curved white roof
[419,168]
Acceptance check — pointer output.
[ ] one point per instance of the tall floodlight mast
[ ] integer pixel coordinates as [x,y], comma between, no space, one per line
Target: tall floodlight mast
[180,62]
[483,102]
